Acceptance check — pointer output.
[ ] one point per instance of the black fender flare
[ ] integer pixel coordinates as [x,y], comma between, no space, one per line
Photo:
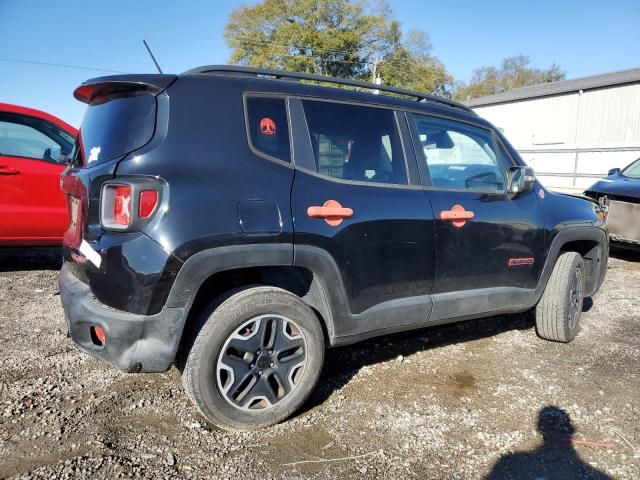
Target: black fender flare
[326,293]
[202,265]
[572,234]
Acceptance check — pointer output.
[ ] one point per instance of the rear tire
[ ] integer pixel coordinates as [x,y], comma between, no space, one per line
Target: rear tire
[559,310]
[256,359]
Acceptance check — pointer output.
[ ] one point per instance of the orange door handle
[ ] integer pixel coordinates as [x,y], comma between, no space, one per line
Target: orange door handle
[457,215]
[332,212]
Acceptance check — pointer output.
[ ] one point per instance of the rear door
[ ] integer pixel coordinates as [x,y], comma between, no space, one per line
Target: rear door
[32,154]
[360,217]
[490,244]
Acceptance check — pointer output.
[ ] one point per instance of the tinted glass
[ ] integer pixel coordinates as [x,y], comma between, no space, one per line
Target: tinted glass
[268,127]
[23,136]
[459,156]
[355,142]
[114,126]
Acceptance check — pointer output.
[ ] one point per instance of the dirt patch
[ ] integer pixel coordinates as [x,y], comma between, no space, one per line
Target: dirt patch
[480,399]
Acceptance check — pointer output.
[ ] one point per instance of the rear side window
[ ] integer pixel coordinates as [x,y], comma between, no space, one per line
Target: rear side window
[355,142]
[459,156]
[268,128]
[30,137]
[114,126]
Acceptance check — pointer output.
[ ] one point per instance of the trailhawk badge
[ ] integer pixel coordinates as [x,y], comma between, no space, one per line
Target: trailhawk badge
[517,262]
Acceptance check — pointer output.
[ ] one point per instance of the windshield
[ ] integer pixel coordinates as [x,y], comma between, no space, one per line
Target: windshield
[633,170]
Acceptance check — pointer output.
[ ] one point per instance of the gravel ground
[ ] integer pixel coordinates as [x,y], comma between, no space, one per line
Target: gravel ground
[484,398]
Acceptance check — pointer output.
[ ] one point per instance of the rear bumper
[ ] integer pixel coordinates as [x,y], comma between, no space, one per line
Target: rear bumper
[134,343]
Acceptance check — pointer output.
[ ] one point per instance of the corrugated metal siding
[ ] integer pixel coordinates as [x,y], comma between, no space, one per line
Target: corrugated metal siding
[586,134]
[610,117]
[541,121]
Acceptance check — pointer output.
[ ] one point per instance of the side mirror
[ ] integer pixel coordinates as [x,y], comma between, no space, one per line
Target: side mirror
[613,171]
[520,180]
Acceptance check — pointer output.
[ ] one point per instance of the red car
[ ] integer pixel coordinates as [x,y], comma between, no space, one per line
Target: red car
[33,148]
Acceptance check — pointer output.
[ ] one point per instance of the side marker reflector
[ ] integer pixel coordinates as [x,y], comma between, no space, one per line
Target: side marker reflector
[98,337]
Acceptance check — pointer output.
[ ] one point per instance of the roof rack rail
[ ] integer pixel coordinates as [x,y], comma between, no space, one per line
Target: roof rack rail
[281,74]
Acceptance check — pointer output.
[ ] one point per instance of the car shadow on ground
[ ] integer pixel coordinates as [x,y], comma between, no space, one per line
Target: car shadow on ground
[625,252]
[555,458]
[29,258]
[342,363]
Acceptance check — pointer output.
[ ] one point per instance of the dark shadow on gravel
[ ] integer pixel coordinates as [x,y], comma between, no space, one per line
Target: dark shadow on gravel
[556,458]
[30,258]
[342,363]
[625,252]
[587,304]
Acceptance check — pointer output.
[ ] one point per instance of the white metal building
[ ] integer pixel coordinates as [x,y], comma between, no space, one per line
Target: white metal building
[573,131]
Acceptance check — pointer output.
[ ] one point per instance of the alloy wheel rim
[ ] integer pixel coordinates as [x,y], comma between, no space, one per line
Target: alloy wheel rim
[575,299]
[261,363]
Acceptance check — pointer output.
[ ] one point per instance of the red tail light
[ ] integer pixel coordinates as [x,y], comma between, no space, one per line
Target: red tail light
[129,204]
[122,205]
[147,203]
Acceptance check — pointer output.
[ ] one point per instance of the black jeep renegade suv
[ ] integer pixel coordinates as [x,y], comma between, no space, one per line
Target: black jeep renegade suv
[235,222]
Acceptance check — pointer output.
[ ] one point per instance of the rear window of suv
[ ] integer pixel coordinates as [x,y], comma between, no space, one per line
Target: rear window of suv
[116,125]
[354,142]
[267,127]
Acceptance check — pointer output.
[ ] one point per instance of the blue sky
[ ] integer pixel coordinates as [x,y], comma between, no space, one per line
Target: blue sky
[584,37]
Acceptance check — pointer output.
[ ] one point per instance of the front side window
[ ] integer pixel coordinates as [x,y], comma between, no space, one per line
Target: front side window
[459,156]
[268,127]
[353,142]
[23,136]
[633,170]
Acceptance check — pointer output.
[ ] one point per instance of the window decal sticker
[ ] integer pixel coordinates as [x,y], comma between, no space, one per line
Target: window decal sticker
[267,126]
[93,154]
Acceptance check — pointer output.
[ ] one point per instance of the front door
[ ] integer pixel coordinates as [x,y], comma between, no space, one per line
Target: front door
[32,206]
[360,217]
[490,244]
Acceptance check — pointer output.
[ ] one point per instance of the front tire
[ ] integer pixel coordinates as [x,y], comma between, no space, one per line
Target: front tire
[256,359]
[560,308]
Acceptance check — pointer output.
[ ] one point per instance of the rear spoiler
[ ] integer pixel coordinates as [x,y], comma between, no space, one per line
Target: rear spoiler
[98,87]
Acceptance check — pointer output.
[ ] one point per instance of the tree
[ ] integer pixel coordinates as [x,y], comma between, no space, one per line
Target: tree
[515,72]
[342,38]
[410,65]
